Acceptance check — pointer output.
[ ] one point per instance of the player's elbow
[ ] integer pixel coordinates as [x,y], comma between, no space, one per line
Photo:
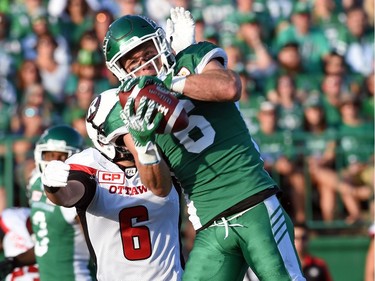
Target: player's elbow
[234,87]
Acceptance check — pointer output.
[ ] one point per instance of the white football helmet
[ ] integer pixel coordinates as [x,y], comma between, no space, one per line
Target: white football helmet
[105,134]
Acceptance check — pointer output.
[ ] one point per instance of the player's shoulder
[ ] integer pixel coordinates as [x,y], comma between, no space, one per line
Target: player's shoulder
[89,160]
[87,157]
[196,56]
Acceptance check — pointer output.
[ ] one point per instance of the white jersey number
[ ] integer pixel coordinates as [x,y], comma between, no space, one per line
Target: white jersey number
[41,245]
[196,122]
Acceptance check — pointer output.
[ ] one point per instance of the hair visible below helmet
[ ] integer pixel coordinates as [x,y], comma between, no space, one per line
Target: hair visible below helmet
[104,125]
[61,138]
[130,31]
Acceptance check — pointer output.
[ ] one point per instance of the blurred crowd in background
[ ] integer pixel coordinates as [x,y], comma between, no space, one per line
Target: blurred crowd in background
[307,69]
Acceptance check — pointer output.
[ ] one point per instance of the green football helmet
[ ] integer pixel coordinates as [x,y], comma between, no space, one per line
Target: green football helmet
[130,31]
[61,138]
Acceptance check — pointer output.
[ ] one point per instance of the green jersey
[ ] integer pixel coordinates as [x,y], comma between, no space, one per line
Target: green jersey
[60,248]
[215,159]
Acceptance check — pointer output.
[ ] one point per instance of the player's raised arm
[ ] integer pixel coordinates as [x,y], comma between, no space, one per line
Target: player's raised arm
[215,83]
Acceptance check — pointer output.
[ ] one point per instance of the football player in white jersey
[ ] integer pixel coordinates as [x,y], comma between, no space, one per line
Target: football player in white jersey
[18,246]
[132,230]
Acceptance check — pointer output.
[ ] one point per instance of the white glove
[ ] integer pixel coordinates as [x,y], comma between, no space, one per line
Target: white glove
[56,174]
[180,29]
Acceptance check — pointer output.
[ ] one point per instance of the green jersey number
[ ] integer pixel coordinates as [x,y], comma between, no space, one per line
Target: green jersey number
[205,137]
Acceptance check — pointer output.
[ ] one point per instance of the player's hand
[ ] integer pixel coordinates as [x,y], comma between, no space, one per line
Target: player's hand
[142,125]
[180,29]
[6,267]
[56,174]
[141,81]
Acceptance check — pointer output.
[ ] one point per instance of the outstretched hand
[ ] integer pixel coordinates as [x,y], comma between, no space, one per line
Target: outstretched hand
[56,174]
[180,29]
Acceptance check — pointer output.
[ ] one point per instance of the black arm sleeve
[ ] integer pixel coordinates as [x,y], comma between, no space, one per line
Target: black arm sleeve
[90,184]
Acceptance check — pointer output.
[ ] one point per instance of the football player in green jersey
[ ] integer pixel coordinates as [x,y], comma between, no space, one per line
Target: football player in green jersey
[60,247]
[231,199]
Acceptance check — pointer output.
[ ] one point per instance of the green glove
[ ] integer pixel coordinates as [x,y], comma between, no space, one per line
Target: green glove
[141,81]
[142,127]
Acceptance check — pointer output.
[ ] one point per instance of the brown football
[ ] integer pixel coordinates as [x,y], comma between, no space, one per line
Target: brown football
[175,117]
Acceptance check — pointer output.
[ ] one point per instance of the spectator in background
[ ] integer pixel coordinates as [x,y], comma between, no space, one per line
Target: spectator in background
[20,15]
[243,8]
[314,268]
[289,62]
[368,6]
[250,101]
[257,56]
[10,48]
[334,64]
[103,18]
[75,111]
[88,65]
[313,45]
[320,157]
[279,156]
[74,19]
[8,107]
[367,107]
[331,87]
[27,75]
[288,104]
[250,97]
[359,53]
[280,11]
[214,12]
[120,8]
[200,26]
[35,113]
[31,126]
[41,25]
[357,148]
[53,73]
[327,16]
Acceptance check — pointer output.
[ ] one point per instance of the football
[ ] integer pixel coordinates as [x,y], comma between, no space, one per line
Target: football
[175,117]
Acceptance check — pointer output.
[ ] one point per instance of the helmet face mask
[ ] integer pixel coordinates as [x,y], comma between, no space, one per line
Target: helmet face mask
[129,32]
[62,139]
[104,126]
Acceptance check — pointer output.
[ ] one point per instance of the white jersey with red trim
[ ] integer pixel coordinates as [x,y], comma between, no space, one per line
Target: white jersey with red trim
[15,223]
[132,233]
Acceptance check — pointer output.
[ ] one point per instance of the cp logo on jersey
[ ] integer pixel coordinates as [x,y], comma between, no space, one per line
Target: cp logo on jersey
[114,178]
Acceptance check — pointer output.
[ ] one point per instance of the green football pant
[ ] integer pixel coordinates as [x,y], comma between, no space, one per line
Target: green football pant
[261,237]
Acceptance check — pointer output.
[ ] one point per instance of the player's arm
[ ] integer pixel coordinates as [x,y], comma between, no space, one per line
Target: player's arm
[155,176]
[215,83]
[58,188]
[10,263]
